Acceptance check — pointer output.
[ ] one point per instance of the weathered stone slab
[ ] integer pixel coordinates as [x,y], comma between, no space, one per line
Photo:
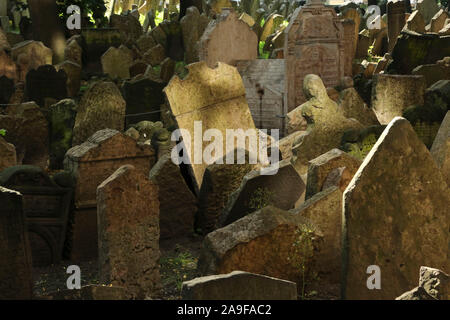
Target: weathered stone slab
[95,42]
[396,20]
[27,129]
[415,23]
[264,88]
[15,269]
[313,45]
[142,96]
[90,164]
[324,210]
[433,72]
[441,148]
[325,125]
[392,94]
[227,39]
[320,167]
[263,243]
[219,181]
[128,232]
[30,55]
[61,119]
[46,209]
[192,27]
[238,285]
[73,52]
[427,8]
[418,293]
[435,282]
[395,215]
[116,62]
[45,82]
[214,96]
[73,72]
[7,154]
[354,107]
[177,203]
[256,191]
[101,107]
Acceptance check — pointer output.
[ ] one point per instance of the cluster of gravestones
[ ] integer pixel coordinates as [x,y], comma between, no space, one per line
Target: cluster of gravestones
[86,170]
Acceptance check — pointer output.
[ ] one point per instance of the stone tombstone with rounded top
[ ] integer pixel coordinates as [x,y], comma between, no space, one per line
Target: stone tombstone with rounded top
[314,44]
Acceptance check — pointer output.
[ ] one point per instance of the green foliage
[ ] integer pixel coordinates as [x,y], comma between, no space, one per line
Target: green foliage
[2,132]
[371,57]
[178,268]
[259,199]
[303,250]
[263,54]
[159,17]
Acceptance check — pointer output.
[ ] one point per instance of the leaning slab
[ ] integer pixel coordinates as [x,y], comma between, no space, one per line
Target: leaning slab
[238,285]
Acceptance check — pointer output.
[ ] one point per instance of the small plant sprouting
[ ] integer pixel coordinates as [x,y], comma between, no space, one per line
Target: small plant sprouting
[2,132]
[303,250]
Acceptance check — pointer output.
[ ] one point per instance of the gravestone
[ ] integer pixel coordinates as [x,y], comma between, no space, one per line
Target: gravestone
[433,72]
[8,67]
[320,167]
[395,215]
[174,47]
[192,27]
[7,89]
[256,191]
[219,182]
[30,55]
[95,42]
[441,148]
[90,164]
[128,232]
[325,125]
[427,9]
[4,44]
[227,39]
[7,154]
[349,43]
[354,107]
[73,52]
[27,129]
[392,94]
[264,90]
[46,209]
[142,96]
[313,45]
[324,210]
[167,69]
[145,42]
[263,243]
[15,269]
[61,119]
[238,285]
[222,91]
[355,15]
[438,21]
[415,23]
[116,62]
[73,72]
[130,27]
[138,67]
[396,20]
[155,55]
[101,107]
[177,202]
[45,82]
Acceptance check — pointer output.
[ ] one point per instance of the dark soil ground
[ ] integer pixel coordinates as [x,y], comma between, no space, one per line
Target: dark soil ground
[178,263]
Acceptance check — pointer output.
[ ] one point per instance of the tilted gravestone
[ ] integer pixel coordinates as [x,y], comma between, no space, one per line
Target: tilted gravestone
[441,148]
[16,278]
[395,216]
[46,208]
[216,97]
[128,228]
